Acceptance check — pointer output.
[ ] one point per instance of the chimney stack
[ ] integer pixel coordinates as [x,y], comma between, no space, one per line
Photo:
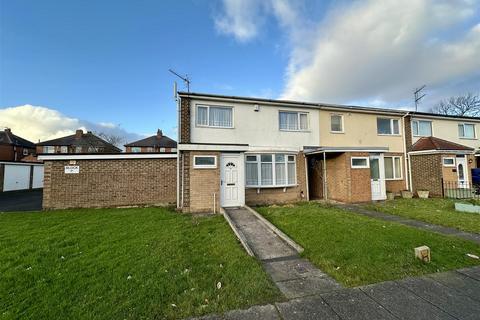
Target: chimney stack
[78,134]
[159,134]
[8,130]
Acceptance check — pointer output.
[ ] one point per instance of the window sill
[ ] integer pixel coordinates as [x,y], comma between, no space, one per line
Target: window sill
[396,179]
[389,135]
[272,187]
[337,132]
[466,138]
[285,130]
[213,127]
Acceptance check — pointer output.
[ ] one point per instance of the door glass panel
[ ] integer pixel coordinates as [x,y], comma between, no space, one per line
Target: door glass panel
[460,172]
[374,169]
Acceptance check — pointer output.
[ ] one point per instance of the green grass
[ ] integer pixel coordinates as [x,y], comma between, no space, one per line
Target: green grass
[123,264]
[436,211]
[357,250]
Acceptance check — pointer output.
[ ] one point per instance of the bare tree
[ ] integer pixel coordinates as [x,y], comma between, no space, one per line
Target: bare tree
[465,105]
[117,141]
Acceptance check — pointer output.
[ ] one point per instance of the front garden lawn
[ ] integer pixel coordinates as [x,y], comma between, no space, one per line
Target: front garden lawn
[124,264]
[358,250]
[436,211]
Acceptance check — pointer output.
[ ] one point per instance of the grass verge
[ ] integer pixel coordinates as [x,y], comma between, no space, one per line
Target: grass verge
[124,264]
[358,250]
[436,211]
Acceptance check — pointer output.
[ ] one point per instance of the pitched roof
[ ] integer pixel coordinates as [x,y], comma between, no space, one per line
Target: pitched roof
[432,143]
[86,139]
[158,140]
[7,137]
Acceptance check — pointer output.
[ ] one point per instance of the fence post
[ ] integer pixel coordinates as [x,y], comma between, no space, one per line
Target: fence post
[443,189]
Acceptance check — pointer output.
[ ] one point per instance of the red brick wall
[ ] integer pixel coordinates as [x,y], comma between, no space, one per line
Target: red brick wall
[185,120]
[427,173]
[110,183]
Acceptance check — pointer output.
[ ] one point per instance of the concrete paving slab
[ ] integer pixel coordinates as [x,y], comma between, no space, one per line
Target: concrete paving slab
[445,298]
[267,312]
[312,308]
[471,272]
[403,303]
[292,269]
[307,286]
[461,283]
[355,304]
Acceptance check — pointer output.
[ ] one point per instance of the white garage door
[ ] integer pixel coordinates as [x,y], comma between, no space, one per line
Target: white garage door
[17,177]
[37,177]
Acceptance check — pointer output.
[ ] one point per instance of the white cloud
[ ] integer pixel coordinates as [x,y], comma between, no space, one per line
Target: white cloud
[376,51]
[40,123]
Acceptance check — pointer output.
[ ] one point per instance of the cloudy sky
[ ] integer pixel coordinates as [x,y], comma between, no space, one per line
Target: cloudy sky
[102,65]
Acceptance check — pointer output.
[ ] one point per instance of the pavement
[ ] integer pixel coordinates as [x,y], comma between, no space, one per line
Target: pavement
[21,200]
[294,276]
[475,237]
[449,295]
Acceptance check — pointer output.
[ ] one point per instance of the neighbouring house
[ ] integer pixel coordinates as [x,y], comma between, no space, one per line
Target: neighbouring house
[79,142]
[13,147]
[234,151]
[157,143]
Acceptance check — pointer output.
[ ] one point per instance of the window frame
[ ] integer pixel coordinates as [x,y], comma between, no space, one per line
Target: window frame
[208,116]
[342,122]
[393,168]
[47,148]
[391,126]
[25,152]
[463,125]
[417,121]
[205,166]
[298,113]
[258,163]
[134,149]
[367,166]
[454,164]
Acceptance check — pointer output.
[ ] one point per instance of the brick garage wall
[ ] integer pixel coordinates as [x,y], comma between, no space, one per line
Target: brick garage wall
[7,153]
[427,173]
[346,184]
[202,185]
[110,183]
[280,195]
[396,186]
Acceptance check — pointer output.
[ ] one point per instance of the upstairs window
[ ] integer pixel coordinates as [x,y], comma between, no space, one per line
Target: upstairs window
[293,121]
[149,149]
[25,152]
[48,149]
[136,149]
[270,170]
[336,123]
[422,128]
[63,149]
[466,131]
[387,126]
[217,117]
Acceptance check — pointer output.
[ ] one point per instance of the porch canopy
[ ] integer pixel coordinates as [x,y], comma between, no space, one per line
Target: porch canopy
[429,145]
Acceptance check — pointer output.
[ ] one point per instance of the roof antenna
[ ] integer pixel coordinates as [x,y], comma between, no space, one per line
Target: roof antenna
[418,96]
[185,79]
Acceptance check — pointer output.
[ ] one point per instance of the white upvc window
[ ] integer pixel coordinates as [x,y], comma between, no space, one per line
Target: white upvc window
[467,131]
[293,121]
[63,149]
[150,149]
[162,149]
[214,116]
[388,126]
[422,128]
[25,152]
[49,149]
[78,149]
[205,162]
[360,162]
[270,170]
[136,149]
[173,150]
[393,168]
[336,123]
[448,161]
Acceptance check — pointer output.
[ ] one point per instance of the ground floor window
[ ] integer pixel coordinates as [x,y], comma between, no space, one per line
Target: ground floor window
[270,170]
[393,168]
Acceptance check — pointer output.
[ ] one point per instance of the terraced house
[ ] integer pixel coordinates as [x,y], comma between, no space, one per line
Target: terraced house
[239,150]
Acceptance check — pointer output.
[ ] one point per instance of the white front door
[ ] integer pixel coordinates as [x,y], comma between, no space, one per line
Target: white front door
[462,172]
[377,177]
[232,180]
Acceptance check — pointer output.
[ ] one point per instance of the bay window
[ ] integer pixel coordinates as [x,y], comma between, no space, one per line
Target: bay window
[466,130]
[270,170]
[387,126]
[293,121]
[393,168]
[214,116]
[422,128]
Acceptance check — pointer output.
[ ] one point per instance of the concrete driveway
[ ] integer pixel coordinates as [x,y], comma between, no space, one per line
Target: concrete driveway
[21,200]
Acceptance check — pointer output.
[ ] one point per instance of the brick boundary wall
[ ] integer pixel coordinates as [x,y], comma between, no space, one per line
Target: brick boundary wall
[110,183]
